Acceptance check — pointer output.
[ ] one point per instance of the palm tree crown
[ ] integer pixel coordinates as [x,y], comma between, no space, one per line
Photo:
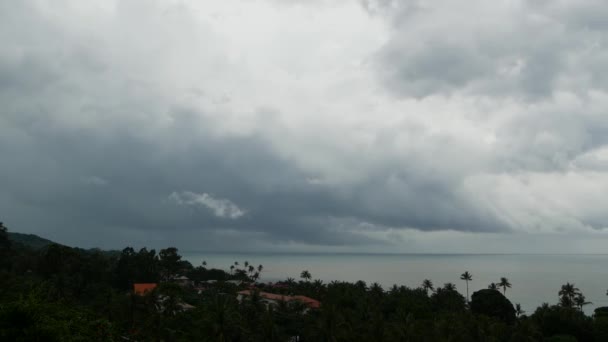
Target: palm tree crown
[567,294]
[305,275]
[466,276]
[580,301]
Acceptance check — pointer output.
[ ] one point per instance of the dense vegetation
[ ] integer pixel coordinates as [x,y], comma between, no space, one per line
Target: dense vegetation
[58,293]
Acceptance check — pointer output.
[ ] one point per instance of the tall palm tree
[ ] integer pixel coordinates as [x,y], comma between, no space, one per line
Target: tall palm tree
[427,285]
[260,268]
[466,276]
[504,283]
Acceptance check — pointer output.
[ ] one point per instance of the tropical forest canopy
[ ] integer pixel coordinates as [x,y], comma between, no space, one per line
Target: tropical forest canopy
[51,292]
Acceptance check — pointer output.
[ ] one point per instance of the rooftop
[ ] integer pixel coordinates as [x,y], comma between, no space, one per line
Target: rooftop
[143,288]
[310,302]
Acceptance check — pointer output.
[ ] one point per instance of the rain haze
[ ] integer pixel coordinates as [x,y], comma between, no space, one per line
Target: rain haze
[306,126]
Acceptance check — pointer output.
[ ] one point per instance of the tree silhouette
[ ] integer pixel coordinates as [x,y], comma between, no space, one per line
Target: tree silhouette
[427,285]
[305,275]
[580,301]
[567,294]
[449,287]
[504,283]
[466,276]
[493,286]
[4,241]
[169,261]
[518,310]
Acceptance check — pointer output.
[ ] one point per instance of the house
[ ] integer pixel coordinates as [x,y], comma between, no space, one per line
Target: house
[141,289]
[183,281]
[273,299]
[179,305]
[309,302]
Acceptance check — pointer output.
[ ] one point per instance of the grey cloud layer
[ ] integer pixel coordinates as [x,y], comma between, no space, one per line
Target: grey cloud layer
[524,49]
[141,125]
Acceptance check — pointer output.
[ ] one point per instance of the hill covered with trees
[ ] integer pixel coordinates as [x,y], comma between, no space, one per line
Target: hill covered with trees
[58,293]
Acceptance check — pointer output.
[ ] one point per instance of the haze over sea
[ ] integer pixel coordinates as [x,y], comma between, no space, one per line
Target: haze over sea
[535,278]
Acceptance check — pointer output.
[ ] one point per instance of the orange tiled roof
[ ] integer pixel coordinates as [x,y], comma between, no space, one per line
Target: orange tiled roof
[143,288]
[311,303]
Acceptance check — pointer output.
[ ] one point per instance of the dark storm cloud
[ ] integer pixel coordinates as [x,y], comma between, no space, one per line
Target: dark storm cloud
[79,183]
[151,128]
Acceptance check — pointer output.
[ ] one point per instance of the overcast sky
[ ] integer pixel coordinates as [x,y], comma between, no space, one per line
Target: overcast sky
[307,125]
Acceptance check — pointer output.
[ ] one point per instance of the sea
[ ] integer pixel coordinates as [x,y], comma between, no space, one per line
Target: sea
[535,278]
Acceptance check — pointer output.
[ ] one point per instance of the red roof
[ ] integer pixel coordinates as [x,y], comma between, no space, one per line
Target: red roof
[142,289]
[311,303]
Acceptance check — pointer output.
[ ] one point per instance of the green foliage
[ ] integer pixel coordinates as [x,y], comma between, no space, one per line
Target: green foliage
[600,328]
[447,299]
[170,262]
[58,293]
[34,320]
[602,311]
[5,245]
[560,320]
[492,304]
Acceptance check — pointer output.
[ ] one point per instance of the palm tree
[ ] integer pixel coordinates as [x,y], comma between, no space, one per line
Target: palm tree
[290,281]
[305,275]
[580,301]
[466,276]
[493,286]
[427,285]
[204,263]
[567,293]
[260,268]
[231,268]
[504,283]
[518,310]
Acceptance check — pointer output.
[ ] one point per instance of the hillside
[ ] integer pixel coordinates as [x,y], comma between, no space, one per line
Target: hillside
[29,240]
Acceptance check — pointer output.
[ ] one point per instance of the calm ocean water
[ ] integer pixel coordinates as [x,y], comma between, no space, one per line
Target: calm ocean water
[535,278]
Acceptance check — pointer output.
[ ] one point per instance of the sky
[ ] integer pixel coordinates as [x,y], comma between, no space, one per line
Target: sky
[311,126]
